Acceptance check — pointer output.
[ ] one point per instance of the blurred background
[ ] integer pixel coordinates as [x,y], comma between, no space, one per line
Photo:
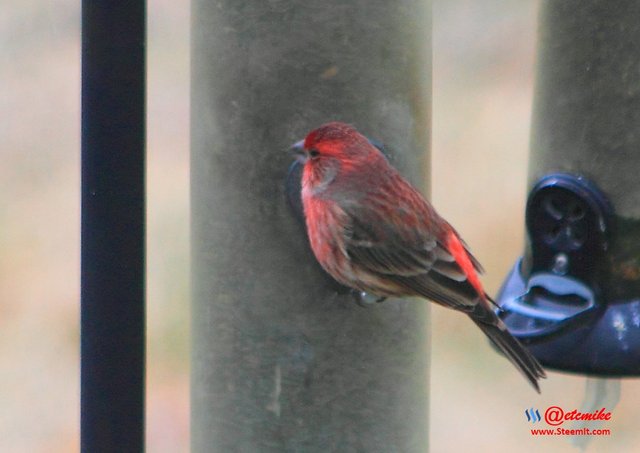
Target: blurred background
[483,59]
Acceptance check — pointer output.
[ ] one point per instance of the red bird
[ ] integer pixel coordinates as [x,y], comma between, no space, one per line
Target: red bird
[372,231]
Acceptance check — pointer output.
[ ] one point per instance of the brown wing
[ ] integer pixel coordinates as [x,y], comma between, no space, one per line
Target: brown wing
[419,266]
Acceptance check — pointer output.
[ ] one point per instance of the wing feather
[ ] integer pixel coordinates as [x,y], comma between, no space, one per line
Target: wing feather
[419,266]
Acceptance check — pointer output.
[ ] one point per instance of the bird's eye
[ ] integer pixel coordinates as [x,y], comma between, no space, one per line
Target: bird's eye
[313,153]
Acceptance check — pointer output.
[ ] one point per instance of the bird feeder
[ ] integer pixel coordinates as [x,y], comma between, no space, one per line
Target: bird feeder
[574,295]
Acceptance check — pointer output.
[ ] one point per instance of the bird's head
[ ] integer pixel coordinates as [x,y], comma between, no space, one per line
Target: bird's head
[331,150]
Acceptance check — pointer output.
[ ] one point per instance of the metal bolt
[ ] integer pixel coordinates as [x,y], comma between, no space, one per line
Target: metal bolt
[560,264]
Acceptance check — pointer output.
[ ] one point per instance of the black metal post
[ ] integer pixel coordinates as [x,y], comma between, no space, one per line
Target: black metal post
[113,217]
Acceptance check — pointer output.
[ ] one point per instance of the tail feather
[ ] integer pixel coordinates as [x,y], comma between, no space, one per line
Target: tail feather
[517,354]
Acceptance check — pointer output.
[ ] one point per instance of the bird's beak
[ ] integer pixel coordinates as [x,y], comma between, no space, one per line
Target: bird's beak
[298,151]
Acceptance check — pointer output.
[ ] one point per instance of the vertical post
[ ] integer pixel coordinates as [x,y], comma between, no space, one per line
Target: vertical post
[580,271]
[113,215]
[280,361]
[587,112]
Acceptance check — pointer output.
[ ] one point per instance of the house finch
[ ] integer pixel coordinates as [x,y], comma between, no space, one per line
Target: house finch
[372,231]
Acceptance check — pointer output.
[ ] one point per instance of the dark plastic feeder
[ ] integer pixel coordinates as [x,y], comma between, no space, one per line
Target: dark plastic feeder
[574,296]
[557,298]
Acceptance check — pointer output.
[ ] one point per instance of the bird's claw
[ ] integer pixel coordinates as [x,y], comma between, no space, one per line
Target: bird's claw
[366,300]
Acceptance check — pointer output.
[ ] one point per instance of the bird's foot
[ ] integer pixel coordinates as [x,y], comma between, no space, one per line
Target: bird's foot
[366,300]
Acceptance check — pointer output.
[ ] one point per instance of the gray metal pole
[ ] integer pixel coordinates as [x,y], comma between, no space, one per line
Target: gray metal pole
[586,115]
[280,361]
